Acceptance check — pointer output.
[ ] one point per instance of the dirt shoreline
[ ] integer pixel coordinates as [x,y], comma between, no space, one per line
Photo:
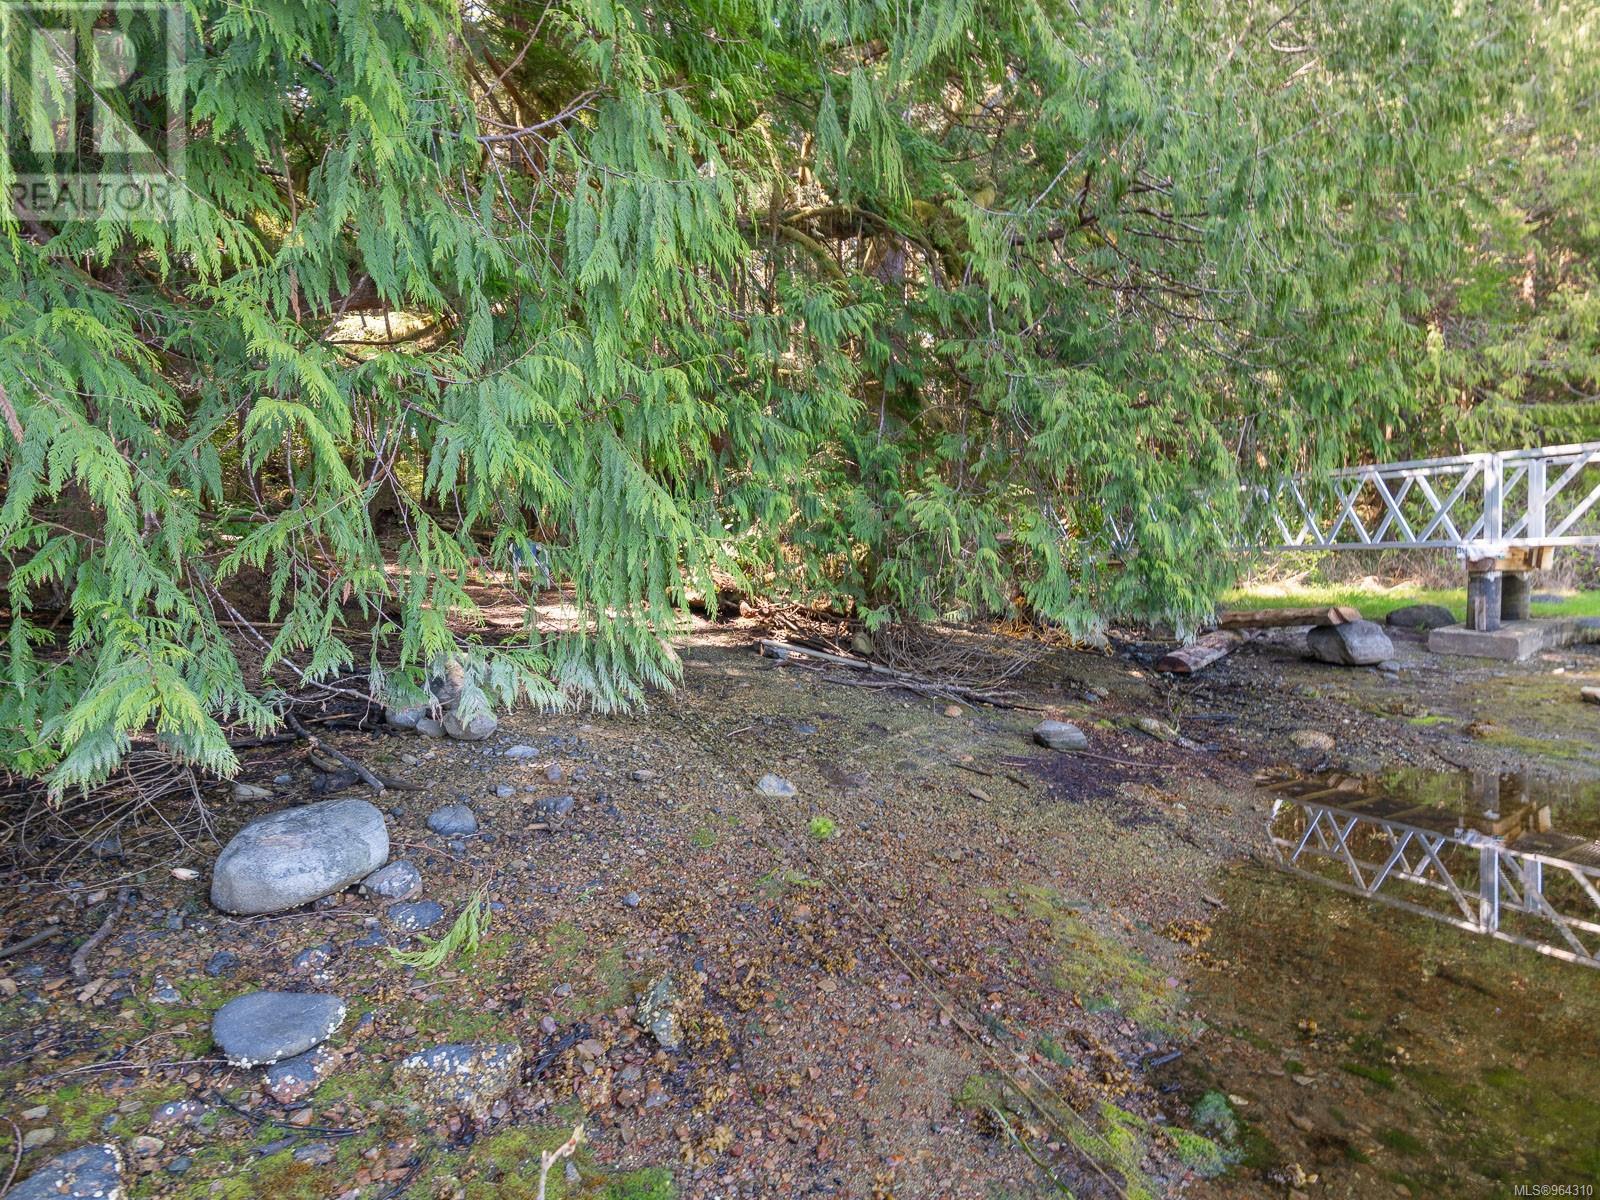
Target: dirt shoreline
[959,989]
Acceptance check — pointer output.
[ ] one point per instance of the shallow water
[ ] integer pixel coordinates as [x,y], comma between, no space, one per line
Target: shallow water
[1384,1053]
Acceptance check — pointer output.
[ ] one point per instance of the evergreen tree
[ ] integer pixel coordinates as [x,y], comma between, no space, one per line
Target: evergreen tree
[949,309]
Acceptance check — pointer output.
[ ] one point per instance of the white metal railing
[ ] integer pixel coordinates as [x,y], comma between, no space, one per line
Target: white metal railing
[1480,504]
[1539,889]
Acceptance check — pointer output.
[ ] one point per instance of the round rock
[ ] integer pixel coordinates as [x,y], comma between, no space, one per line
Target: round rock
[292,857]
[475,729]
[1421,616]
[453,820]
[1353,644]
[1060,735]
[268,1027]
[87,1173]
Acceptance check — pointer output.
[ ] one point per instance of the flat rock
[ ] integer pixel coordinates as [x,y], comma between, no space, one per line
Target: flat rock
[414,916]
[465,1076]
[1060,735]
[293,1079]
[397,881]
[776,786]
[555,806]
[268,1027]
[473,729]
[1420,616]
[1353,644]
[520,751]
[453,820]
[87,1173]
[298,855]
[657,1012]
[1312,739]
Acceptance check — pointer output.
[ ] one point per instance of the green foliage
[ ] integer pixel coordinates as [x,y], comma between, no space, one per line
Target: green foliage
[652,1183]
[464,936]
[946,311]
[822,828]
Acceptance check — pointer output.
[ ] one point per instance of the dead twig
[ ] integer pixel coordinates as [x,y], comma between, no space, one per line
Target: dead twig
[549,1158]
[28,943]
[344,760]
[80,957]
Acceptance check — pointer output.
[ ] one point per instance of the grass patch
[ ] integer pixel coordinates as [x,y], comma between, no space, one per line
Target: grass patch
[1400,1141]
[1376,603]
[822,828]
[1381,1076]
[703,838]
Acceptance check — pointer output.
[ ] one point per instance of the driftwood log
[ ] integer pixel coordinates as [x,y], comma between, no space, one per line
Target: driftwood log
[1270,618]
[1202,652]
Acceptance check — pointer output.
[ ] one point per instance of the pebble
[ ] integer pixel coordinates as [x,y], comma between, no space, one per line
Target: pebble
[505,791]
[413,916]
[776,786]
[251,791]
[400,880]
[223,962]
[35,1138]
[146,1146]
[632,899]
[520,751]
[556,806]
[429,728]
[293,1079]
[313,957]
[1060,735]
[163,992]
[180,1165]
[452,820]
[38,1113]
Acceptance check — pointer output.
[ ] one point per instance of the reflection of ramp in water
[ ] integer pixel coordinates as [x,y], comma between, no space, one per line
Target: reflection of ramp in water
[1501,871]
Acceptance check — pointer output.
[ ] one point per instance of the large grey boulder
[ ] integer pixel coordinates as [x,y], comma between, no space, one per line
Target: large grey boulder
[87,1173]
[1421,616]
[268,1027]
[1353,644]
[295,856]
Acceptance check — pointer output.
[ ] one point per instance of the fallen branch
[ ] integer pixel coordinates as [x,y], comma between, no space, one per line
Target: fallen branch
[328,762]
[344,760]
[80,957]
[887,677]
[28,943]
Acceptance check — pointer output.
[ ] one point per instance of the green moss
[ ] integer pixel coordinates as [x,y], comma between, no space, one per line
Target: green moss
[1381,1076]
[1053,1050]
[1200,1154]
[703,838]
[822,828]
[1503,1078]
[1400,1141]
[1212,1111]
[652,1183]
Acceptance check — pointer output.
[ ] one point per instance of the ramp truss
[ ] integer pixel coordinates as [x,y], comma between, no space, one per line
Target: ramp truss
[1481,504]
[1507,875]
